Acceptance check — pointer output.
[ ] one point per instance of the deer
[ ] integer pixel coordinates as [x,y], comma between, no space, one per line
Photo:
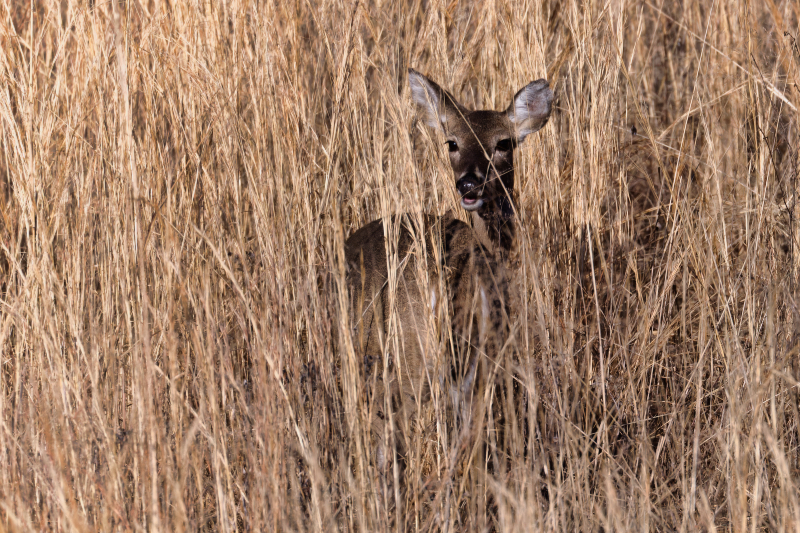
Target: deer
[473,258]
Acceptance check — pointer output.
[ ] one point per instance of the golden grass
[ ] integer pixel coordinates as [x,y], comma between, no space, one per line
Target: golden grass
[176,183]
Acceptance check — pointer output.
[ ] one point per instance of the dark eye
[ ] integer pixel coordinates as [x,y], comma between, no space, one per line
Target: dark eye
[452,146]
[505,145]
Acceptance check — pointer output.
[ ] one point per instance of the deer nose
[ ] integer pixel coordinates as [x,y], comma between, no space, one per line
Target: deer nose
[467,184]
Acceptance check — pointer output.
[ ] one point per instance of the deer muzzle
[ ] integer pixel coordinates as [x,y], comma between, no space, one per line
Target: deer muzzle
[470,189]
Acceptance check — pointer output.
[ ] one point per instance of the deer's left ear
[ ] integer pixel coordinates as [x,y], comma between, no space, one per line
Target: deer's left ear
[531,108]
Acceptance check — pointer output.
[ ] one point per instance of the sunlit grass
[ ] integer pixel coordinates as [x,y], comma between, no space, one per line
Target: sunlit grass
[177,180]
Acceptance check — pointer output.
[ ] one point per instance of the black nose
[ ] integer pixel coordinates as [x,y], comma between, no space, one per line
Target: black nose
[467,184]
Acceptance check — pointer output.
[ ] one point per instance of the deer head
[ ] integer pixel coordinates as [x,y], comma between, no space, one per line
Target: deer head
[481,147]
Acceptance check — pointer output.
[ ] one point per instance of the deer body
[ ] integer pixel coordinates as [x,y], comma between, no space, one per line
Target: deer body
[473,257]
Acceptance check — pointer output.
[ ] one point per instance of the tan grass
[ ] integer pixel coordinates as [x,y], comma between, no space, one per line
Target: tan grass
[177,180]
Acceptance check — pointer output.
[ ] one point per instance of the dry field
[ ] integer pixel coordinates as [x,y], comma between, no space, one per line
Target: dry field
[177,179]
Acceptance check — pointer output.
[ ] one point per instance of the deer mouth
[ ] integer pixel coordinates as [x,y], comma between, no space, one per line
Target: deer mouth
[471,201]
[470,190]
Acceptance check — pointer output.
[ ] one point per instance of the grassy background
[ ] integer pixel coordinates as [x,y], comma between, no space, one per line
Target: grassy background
[176,183]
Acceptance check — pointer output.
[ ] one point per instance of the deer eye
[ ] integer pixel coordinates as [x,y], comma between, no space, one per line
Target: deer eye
[452,146]
[505,145]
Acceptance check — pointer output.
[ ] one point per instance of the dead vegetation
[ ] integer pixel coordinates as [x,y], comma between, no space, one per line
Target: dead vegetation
[177,180]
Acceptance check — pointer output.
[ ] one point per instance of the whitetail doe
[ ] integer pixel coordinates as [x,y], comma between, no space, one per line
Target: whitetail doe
[481,146]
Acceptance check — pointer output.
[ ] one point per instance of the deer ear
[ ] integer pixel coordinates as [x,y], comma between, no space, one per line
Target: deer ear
[531,108]
[436,104]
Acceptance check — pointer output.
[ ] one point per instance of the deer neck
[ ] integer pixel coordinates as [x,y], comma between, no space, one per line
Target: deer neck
[495,225]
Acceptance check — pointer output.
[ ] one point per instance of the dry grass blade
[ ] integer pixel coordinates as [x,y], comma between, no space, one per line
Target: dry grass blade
[178,180]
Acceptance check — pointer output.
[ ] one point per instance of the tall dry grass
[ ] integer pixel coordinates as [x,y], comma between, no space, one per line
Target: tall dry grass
[177,180]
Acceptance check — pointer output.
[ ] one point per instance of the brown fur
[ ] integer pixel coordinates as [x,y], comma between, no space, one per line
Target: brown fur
[474,258]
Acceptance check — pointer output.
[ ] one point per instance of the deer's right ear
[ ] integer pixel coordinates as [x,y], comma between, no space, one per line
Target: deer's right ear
[434,102]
